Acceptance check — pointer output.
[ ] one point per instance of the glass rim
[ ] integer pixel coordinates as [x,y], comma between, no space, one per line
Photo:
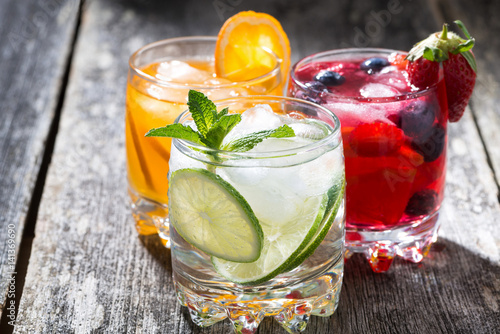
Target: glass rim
[403,96]
[268,154]
[179,85]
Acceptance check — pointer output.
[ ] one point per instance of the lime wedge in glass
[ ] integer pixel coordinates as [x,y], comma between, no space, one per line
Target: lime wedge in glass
[335,197]
[282,244]
[212,216]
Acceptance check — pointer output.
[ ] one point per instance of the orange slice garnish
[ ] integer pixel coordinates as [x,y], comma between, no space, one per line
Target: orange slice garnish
[243,44]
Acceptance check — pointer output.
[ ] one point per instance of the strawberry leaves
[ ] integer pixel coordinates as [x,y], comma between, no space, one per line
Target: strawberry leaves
[437,46]
[434,54]
[465,47]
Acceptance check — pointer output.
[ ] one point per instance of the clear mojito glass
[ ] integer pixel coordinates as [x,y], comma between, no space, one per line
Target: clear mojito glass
[260,233]
[160,76]
[395,148]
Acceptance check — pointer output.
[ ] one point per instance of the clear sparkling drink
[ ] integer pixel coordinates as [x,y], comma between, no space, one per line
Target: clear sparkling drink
[395,148]
[294,188]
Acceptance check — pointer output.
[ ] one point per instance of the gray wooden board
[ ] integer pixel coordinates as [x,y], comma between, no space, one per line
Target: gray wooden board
[36,39]
[88,270]
[482,24]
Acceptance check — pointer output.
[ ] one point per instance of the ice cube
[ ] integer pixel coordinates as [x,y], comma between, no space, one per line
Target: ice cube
[243,177]
[179,160]
[378,90]
[277,188]
[222,93]
[183,73]
[319,175]
[267,191]
[309,130]
[357,112]
[260,117]
[281,144]
[306,174]
[391,76]
[152,105]
[166,94]
[273,202]
[179,71]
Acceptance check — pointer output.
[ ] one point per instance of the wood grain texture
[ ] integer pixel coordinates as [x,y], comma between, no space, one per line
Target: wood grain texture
[36,39]
[88,270]
[481,22]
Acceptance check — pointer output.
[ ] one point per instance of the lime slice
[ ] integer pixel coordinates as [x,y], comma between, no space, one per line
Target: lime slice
[282,244]
[335,197]
[212,216]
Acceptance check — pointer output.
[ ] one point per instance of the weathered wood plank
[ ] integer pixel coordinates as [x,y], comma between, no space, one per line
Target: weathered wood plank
[88,270]
[36,38]
[485,103]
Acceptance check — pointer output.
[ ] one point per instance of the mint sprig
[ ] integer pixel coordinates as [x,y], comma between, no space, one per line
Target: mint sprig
[203,110]
[214,126]
[177,131]
[248,142]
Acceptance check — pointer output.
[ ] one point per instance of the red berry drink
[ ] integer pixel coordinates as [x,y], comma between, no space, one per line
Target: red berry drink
[394,144]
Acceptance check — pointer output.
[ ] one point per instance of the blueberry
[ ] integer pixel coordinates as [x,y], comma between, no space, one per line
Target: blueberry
[312,93]
[374,64]
[329,78]
[416,120]
[316,86]
[431,147]
[308,96]
[422,203]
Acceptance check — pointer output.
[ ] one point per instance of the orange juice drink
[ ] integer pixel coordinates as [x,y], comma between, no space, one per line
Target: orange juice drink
[159,79]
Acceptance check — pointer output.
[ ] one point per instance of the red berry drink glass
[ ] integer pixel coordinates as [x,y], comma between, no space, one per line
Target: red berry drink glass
[394,144]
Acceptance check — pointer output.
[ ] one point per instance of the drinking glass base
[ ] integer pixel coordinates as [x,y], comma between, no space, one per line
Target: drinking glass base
[380,247]
[150,217]
[291,306]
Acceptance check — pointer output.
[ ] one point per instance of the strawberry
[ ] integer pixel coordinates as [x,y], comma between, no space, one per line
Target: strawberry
[460,78]
[376,139]
[422,73]
[459,67]
[397,59]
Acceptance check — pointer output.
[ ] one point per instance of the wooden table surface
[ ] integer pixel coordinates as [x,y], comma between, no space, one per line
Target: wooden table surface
[70,259]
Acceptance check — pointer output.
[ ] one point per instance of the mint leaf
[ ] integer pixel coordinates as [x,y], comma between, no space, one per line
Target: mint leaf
[221,128]
[248,142]
[283,131]
[203,111]
[177,131]
[222,112]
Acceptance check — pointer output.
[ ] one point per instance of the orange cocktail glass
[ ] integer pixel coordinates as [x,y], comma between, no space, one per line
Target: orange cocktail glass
[160,76]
